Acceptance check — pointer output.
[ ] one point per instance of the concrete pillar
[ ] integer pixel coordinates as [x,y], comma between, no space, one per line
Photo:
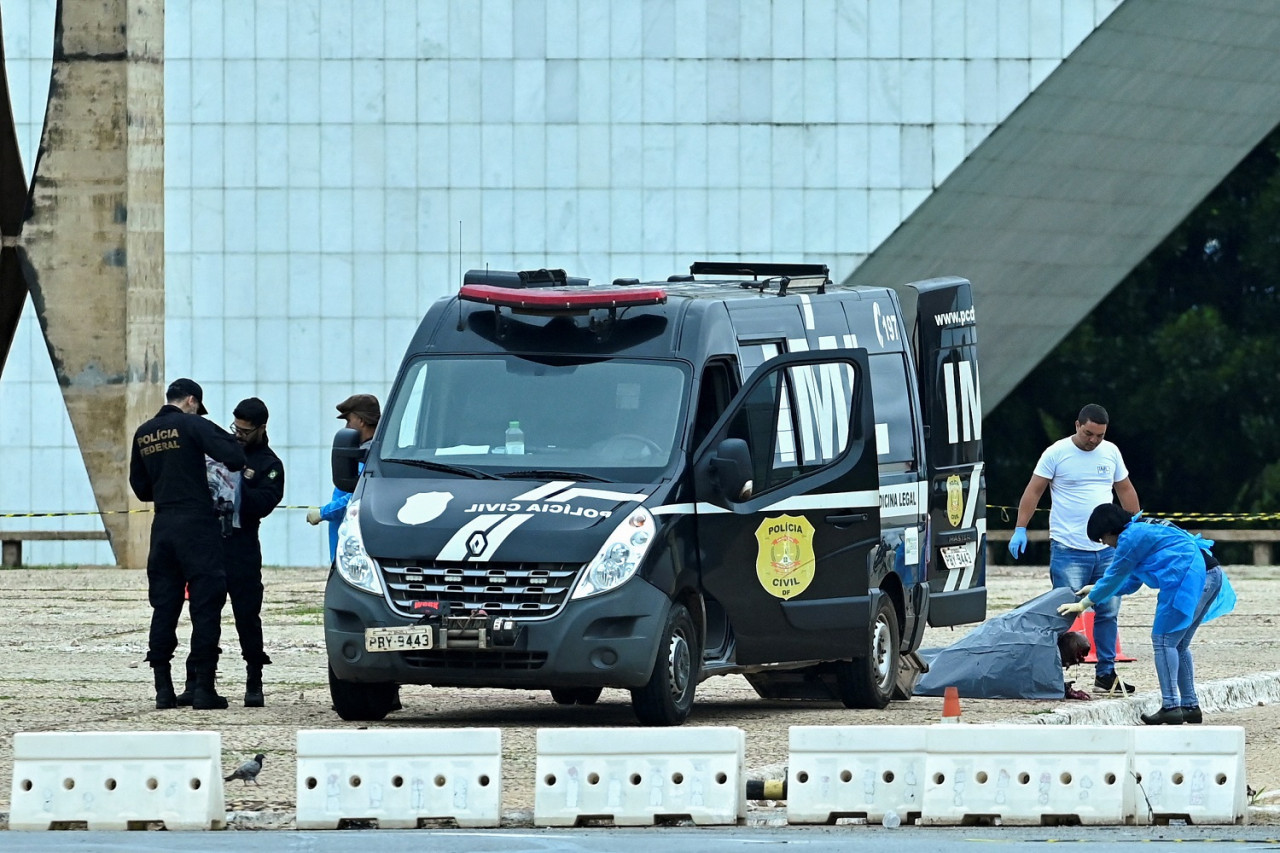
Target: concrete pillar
[94,246]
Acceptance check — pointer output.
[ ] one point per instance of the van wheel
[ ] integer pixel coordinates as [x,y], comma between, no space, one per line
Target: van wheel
[867,682]
[354,700]
[668,697]
[575,695]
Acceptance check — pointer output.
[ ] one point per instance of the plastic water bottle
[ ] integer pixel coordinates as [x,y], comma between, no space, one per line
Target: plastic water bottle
[890,820]
[515,439]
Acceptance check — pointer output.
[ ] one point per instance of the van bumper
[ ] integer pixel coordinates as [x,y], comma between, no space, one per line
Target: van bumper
[959,607]
[608,640]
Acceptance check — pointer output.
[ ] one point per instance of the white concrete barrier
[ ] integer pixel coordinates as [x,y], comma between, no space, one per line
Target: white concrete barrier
[855,771]
[117,780]
[1193,773]
[636,777]
[399,777]
[1030,775]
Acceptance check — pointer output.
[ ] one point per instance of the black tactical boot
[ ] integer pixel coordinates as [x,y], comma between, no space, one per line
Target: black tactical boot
[205,695]
[253,697]
[184,698]
[164,687]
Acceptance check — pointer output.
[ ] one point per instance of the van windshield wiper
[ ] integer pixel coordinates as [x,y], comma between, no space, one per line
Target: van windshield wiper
[460,470]
[552,474]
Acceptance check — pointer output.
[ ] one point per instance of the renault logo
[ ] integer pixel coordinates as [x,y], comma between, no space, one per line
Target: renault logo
[476,543]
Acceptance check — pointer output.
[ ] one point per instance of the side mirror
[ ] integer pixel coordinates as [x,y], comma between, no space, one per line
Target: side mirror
[346,456]
[730,468]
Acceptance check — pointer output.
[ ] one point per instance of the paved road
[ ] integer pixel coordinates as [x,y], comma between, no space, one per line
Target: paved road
[811,840]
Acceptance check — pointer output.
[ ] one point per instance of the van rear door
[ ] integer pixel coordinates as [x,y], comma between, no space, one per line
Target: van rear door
[946,341]
[789,561]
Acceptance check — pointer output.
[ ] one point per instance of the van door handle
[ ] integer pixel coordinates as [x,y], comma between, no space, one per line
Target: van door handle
[846,519]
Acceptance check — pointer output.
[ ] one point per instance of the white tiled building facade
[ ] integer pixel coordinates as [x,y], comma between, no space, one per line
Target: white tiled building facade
[331,165]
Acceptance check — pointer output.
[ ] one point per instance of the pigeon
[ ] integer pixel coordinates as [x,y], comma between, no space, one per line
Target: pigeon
[248,772]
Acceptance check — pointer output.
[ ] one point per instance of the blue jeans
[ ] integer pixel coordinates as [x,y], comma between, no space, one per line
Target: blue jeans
[1074,568]
[1173,652]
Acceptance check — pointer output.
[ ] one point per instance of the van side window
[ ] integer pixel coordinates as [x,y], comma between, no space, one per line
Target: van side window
[719,384]
[797,421]
[895,429]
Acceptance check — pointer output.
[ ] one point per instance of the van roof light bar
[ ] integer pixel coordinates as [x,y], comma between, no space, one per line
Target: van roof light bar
[739,269]
[562,301]
[520,279]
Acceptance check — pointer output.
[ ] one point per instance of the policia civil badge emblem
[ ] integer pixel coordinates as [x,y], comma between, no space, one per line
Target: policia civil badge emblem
[784,561]
[955,500]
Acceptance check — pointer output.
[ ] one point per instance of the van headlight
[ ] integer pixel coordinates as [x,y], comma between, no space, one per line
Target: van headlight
[619,556]
[354,564]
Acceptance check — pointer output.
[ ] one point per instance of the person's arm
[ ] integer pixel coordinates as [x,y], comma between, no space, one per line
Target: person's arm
[1026,508]
[1128,496]
[260,495]
[334,509]
[139,480]
[220,445]
[1131,549]
[1031,499]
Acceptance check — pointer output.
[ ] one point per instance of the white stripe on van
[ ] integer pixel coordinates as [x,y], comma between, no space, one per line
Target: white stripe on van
[456,548]
[835,500]
[882,439]
[975,482]
[537,494]
[602,494]
[806,307]
[499,534]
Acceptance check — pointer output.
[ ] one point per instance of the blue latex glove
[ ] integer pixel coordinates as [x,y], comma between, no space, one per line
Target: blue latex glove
[1018,542]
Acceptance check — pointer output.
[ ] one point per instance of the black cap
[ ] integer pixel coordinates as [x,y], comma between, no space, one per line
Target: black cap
[252,410]
[180,389]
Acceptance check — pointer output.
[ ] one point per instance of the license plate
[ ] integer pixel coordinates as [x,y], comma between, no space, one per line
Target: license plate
[957,557]
[408,638]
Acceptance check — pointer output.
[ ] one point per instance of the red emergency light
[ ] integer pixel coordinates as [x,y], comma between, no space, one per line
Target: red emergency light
[554,300]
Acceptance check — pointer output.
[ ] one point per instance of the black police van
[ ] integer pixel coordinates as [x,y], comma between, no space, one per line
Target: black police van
[641,485]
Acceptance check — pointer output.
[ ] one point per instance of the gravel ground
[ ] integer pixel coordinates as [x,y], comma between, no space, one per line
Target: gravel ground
[76,638]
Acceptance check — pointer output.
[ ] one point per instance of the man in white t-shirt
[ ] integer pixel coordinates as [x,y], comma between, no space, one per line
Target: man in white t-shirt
[1080,471]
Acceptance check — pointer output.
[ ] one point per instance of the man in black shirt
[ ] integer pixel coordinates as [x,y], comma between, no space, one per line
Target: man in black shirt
[261,489]
[167,466]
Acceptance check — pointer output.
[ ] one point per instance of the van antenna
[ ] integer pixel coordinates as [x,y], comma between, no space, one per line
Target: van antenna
[460,323]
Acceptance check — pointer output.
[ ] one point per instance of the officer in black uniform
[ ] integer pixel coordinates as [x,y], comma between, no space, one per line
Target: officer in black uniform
[167,466]
[258,492]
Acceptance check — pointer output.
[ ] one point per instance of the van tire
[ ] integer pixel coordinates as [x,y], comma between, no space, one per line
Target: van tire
[576,695]
[357,701]
[867,682]
[668,697]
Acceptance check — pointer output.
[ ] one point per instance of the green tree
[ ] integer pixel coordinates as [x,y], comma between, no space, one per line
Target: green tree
[1184,354]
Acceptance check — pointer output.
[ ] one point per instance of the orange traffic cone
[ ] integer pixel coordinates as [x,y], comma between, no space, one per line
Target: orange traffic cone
[1084,623]
[951,705]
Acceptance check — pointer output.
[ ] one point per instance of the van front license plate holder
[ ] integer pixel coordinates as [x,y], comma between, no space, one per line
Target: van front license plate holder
[957,557]
[408,638]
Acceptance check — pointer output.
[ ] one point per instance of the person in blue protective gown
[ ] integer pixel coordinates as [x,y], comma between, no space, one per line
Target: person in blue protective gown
[361,413]
[1192,589]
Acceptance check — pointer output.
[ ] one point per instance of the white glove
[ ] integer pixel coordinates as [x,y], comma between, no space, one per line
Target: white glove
[1071,609]
[1085,590]
[313,516]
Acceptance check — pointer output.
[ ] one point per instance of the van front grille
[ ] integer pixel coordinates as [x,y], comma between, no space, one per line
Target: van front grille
[475,660]
[528,590]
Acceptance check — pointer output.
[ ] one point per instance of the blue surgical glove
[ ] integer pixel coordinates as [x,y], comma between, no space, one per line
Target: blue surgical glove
[1018,542]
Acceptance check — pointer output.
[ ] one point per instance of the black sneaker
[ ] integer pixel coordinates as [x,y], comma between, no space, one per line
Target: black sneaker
[1164,717]
[1191,714]
[1112,683]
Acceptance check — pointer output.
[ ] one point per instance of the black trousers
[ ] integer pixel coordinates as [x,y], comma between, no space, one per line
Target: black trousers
[244,587]
[186,554]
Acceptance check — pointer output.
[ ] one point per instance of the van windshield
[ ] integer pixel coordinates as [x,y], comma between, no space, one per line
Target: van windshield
[611,419]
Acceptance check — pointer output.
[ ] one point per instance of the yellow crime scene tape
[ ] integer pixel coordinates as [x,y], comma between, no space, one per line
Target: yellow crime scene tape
[111,512]
[1172,516]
